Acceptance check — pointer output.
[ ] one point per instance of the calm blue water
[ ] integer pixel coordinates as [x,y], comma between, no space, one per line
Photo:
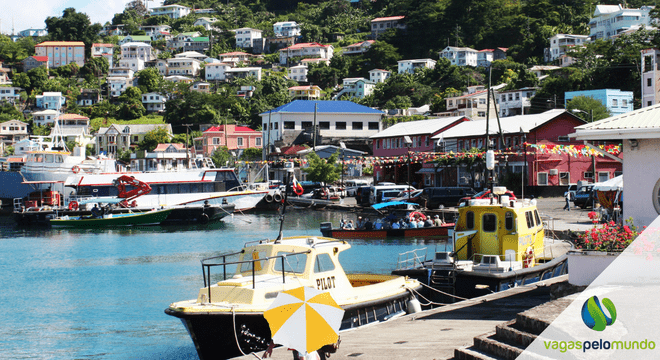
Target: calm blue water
[82,294]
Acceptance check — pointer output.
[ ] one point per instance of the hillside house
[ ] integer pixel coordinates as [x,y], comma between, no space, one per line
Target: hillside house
[33,62]
[154,102]
[10,94]
[50,100]
[236,137]
[460,56]
[62,53]
[13,131]
[308,92]
[245,36]
[379,75]
[103,50]
[110,140]
[561,44]
[298,73]
[173,11]
[306,50]
[409,66]
[382,24]
[286,29]
[358,48]
[610,20]
[515,102]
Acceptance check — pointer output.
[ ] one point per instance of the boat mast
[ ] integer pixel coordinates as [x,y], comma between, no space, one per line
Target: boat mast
[490,155]
[286,197]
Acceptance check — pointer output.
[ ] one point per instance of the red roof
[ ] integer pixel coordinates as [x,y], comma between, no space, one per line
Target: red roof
[315,59]
[490,50]
[292,150]
[41,58]
[308,87]
[305,45]
[362,43]
[388,18]
[237,129]
[163,147]
[102,45]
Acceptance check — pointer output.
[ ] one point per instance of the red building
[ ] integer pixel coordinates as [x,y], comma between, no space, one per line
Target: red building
[236,137]
[391,143]
[552,158]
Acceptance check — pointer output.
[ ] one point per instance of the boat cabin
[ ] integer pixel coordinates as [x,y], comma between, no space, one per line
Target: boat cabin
[511,230]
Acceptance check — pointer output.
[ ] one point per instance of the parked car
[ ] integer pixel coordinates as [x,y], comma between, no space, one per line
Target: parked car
[485,195]
[572,188]
[362,195]
[414,196]
[584,196]
[435,197]
[353,185]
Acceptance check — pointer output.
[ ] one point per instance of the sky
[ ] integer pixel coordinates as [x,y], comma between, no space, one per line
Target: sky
[28,14]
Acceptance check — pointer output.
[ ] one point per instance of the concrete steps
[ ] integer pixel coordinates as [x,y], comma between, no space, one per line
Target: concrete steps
[510,339]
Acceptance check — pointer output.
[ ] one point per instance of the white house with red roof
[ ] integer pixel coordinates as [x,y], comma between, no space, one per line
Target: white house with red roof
[33,62]
[379,75]
[234,57]
[358,48]
[473,104]
[62,53]
[103,50]
[236,137]
[409,66]
[306,50]
[382,24]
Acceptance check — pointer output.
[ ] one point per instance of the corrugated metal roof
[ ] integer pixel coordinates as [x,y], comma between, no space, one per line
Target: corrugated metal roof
[388,18]
[511,125]
[644,118]
[324,107]
[416,127]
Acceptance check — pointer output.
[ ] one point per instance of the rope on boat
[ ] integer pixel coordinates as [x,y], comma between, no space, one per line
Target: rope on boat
[416,293]
[233,318]
[444,293]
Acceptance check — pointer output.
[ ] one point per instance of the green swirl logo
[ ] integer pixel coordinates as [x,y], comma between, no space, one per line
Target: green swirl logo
[594,316]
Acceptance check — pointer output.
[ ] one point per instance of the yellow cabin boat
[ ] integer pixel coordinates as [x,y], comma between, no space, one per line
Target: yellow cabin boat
[239,287]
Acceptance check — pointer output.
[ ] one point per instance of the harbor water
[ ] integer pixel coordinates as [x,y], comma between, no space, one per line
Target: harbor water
[101,294]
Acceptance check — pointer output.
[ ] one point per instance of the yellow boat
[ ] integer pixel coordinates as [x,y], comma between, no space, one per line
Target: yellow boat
[498,243]
[239,287]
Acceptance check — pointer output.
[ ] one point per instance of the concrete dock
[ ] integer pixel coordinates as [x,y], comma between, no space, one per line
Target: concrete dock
[436,333]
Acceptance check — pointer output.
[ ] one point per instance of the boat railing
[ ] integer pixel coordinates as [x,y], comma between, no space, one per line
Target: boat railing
[208,263]
[411,259]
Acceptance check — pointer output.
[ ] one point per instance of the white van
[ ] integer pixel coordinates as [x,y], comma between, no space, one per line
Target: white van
[352,186]
[377,191]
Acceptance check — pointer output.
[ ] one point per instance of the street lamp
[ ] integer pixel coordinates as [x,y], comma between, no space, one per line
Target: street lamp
[408,142]
[590,113]
[342,145]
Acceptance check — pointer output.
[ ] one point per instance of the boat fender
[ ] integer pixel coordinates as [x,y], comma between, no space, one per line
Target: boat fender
[133,203]
[528,260]
[413,306]
[269,198]
[73,205]
[417,213]
[75,169]
[277,197]
[203,219]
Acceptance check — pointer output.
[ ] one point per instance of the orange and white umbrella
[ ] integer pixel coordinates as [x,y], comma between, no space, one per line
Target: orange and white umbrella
[304,319]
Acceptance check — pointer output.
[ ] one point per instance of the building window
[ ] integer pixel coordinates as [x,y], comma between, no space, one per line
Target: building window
[588,175]
[216,141]
[564,178]
[542,179]
[289,125]
[357,125]
[648,82]
[239,141]
[615,103]
[324,125]
[624,102]
[340,125]
[136,139]
[307,125]
[603,176]
[257,141]
[373,125]
[563,138]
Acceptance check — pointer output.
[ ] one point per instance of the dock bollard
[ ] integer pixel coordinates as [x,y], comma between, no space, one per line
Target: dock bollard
[413,306]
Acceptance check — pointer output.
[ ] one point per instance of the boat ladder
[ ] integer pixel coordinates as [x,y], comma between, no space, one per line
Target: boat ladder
[443,278]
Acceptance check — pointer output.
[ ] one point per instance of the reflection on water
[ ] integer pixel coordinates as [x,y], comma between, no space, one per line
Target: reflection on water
[101,293]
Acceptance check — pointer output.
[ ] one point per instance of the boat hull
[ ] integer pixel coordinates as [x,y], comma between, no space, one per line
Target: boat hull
[148,218]
[379,234]
[216,334]
[470,284]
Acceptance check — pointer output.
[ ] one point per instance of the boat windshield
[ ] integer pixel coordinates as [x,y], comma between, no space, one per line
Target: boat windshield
[293,262]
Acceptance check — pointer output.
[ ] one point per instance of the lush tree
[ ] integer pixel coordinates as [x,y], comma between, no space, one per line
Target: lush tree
[153,138]
[221,156]
[382,55]
[251,154]
[95,66]
[72,26]
[588,108]
[149,79]
[22,80]
[323,170]
[13,52]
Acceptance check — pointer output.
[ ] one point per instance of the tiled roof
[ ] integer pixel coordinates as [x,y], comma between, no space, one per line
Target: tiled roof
[73,117]
[237,129]
[420,127]
[388,18]
[327,107]
[61,43]
[510,125]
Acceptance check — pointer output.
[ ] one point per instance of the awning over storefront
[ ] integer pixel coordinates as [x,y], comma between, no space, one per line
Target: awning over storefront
[428,170]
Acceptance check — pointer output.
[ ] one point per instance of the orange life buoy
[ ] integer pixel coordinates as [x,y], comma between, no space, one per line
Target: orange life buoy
[73,205]
[75,169]
[415,214]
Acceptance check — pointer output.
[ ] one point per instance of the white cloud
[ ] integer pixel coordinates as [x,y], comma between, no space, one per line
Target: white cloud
[102,11]
[28,14]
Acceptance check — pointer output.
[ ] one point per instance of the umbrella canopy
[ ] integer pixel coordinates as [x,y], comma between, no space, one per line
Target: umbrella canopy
[613,184]
[304,319]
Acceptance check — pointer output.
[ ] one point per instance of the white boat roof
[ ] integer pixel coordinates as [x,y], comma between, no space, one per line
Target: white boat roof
[186,176]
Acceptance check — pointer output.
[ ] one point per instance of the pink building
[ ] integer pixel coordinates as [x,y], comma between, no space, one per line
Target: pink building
[237,137]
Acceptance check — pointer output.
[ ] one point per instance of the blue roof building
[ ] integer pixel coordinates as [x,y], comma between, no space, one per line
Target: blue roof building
[293,123]
[617,102]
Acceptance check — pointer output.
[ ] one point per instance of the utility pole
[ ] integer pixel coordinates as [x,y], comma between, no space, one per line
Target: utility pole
[187,150]
[316,106]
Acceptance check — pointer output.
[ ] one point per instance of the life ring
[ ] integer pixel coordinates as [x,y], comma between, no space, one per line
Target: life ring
[133,203]
[73,205]
[277,197]
[75,169]
[415,214]
[528,258]
[203,219]
[269,198]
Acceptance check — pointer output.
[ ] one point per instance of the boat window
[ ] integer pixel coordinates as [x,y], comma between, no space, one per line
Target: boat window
[59,159]
[220,176]
[172,188]
[50,158]
[489,222]
[184,188]
[208,187]
[258,265]
[469,220]
[323,263]
[292,263]
[220,186]
[530,219]
[508,220]
[39,158]
[538,218]
[159,189]
[195,188]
